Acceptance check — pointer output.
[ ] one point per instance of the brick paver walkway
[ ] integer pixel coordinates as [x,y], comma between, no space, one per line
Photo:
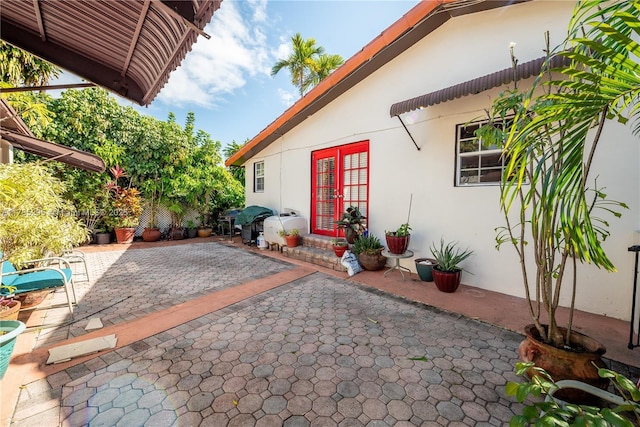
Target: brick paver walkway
[319,351]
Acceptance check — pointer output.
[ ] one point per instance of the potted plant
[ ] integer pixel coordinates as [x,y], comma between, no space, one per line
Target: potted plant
[555,212]
[352,222]
[368,250]
[9,331]
[204,230]
[9,308]
[292,237]
[339,246]
[398,241]
[424,267]
[151,232]
[102,236]
[126,205]
[447,273]
[192,230]
[177,210]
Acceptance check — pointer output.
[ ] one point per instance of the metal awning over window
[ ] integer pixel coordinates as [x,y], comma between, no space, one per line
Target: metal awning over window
[480,84]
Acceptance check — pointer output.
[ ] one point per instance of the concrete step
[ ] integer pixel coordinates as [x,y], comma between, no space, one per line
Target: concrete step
[316,250]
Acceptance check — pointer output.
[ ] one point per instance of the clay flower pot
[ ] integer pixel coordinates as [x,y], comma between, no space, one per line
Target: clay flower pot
[151,234]
[292,241]
[125,235]
[397,244]
[447,281]
[372,262]
[564,364]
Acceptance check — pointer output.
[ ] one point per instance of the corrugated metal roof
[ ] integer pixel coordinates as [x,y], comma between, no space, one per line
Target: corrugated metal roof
[17,133]
[480,84]
[129,47]
[421,20]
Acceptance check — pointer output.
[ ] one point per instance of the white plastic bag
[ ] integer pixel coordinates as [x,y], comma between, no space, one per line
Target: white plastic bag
[350,261]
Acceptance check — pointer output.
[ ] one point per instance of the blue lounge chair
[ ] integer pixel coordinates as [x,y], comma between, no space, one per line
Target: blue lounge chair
[55,274]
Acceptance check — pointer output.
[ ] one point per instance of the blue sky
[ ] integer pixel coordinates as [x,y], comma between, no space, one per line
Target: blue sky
[226,80]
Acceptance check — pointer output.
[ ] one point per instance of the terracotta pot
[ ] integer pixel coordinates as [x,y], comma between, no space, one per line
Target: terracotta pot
[339,250]
[372,262]
[151,234]
[125,235]
[9,309]
[292,241]
[397,244]
[32,299]
[204,232]
[424,267]
[447,281]
[566,364]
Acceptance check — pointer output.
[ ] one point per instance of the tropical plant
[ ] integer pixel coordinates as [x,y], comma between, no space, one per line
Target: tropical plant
[352,219]
[403,230]
[307,64]
[449,256]
[36,220]
[552,412]
[368,244]
[18,67]
[126,202]
[324,65]
[550,148]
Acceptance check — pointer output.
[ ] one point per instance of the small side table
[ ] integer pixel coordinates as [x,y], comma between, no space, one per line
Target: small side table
[397,258]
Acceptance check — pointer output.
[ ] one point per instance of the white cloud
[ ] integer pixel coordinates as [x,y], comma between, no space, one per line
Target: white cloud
[236,51]
[288,97]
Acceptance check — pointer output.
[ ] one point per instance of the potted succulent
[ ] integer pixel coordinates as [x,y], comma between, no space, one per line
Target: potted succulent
[126,205]
[447,273]
[398,241]
[368,250]
[339,246]
[292,237]
[352,222]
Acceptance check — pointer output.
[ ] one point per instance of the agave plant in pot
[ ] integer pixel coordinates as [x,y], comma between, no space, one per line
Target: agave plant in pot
[447,272]
[368,250]
[556,214]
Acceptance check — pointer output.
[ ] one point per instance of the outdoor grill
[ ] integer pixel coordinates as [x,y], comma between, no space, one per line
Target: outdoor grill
[251,219]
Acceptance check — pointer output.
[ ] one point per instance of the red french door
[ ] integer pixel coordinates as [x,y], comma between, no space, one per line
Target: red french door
[340,178]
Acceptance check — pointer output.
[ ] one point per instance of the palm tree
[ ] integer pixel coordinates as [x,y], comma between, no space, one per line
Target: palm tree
[307,64]
[551,147]
[324,65]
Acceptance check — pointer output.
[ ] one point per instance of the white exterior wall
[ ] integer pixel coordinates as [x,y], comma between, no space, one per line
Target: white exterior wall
[464,48]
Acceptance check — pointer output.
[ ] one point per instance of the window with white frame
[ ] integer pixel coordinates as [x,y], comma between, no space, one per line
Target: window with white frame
[258,177]
[478,162]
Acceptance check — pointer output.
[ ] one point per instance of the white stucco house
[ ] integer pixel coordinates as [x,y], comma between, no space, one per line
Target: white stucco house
[386,126]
